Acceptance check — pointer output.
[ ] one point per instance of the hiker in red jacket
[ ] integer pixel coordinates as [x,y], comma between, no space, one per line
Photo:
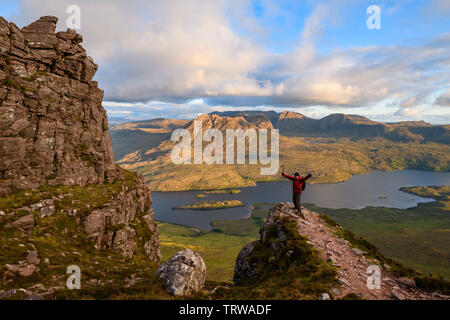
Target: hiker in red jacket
[297,187]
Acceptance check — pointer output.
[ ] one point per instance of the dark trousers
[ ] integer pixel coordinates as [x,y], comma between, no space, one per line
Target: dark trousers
[296,200]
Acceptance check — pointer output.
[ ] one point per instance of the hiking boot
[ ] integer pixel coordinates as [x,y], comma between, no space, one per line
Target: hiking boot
[300,214]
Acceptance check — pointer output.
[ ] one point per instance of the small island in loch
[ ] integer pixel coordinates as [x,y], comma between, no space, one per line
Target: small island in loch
[210,205]
[231,191]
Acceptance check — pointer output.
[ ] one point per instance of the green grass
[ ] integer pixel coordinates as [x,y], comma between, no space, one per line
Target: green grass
[231,191]
[218,250]
[244,227]
[84,199]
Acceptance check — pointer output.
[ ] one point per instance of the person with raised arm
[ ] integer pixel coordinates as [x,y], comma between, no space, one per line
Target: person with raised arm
[298,185]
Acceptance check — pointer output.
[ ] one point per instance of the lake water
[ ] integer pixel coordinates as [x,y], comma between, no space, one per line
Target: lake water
[358,192]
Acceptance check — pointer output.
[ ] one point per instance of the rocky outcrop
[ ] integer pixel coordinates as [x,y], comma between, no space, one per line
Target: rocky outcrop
[353,268]
[272,236]
[25,223]
[25,268]
[243,269]
[54,131]
[112,227]
[183,274]
[53,128]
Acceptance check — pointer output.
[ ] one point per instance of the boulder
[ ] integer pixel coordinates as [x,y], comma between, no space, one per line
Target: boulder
[24,223]
[325,296]
[407,282]
[183,274]
[358,251]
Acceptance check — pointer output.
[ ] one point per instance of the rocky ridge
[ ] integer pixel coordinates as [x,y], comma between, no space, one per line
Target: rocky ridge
[350,263]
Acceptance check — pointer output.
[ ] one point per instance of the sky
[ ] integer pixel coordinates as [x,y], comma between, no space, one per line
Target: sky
[181,58]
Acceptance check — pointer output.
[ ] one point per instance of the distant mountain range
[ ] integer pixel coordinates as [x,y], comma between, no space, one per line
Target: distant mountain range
[295,124]
[345,125]
[334,147]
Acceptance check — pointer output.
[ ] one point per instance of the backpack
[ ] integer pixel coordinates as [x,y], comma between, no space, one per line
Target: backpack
[304,186]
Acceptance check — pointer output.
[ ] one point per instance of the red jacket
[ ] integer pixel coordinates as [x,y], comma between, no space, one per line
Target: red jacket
[297,182]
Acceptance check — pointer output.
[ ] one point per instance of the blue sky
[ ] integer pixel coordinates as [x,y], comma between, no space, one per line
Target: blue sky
[181,58]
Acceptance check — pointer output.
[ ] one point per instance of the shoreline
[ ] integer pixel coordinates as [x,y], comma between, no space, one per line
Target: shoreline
[256,182]
[283,179]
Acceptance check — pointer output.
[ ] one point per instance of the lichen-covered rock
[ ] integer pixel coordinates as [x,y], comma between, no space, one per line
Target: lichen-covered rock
[183,274]
[273,240]
[54,131]
[25,223]
[112,226]
[243,269]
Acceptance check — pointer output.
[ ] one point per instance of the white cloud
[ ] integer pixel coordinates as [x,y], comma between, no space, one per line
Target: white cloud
[173,52]
[410,112]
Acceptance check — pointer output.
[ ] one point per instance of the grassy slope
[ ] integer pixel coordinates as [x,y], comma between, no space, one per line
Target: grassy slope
[331,160]
[105,275]
[218,250]
[63,241]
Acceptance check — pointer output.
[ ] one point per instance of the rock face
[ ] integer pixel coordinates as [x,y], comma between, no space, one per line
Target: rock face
[111,227]
[183,274]
[53,128]
[272,235]
[54,131]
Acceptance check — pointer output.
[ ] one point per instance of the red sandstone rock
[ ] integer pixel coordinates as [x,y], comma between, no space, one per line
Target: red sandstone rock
[54,131]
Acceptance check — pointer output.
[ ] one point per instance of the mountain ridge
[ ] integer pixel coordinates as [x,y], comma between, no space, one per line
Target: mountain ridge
[339,263]
[337,124]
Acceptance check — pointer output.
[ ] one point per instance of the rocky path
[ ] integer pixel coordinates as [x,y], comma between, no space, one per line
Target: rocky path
[352,265]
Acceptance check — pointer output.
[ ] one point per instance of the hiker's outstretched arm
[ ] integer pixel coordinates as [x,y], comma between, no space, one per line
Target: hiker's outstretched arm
[287,176]
[309,175]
